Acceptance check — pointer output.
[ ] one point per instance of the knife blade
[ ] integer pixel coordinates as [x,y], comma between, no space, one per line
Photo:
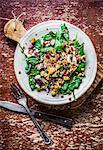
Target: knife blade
[66,122]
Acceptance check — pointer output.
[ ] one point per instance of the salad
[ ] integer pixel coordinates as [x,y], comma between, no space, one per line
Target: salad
[55,63]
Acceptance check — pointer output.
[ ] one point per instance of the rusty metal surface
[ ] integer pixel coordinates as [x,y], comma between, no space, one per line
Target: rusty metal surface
[17,131]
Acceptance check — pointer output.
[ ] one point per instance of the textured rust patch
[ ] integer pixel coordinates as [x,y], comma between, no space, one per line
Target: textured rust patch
[17,131]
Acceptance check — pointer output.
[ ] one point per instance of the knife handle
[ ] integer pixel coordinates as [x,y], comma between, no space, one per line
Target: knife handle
[66,122]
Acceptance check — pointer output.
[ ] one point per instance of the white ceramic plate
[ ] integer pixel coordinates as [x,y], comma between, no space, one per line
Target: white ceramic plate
[40,30]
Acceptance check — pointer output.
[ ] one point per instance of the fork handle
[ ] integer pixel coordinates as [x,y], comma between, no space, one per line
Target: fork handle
[44,136]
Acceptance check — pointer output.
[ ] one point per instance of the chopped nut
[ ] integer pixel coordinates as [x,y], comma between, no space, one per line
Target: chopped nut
[66,78]
[81,74]
[42,73]
[52,50]
[55,86]
[51,70]
[33,40]
[57,66]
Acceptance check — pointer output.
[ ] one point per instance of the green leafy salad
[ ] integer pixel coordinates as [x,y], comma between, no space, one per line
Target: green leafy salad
[55,63]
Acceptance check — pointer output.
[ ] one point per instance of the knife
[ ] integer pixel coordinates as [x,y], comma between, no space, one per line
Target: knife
[66,122]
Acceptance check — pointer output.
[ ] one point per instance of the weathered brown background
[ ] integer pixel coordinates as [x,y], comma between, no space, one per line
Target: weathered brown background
[17,131]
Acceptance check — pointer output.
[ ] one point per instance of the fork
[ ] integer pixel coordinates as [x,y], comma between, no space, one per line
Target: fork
[22,100]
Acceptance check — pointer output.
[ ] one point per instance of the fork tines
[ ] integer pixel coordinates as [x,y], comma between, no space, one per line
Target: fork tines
[16,91]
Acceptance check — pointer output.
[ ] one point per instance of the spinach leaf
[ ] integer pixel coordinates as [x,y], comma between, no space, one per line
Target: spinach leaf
[38,44]
[75,83]
[44,50]
[32,82]
[64,89]
[64,28]
[51,35]
[63,34]
[71,87]
[68,91]
[41,53]
[32,60]
[47,37]
[81,66]
[34,71]
[59,47]
[81,49]
[76,43]
[65,86]
[77,78]
[28,68]
[79,46]
[66,36]
[60,37]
